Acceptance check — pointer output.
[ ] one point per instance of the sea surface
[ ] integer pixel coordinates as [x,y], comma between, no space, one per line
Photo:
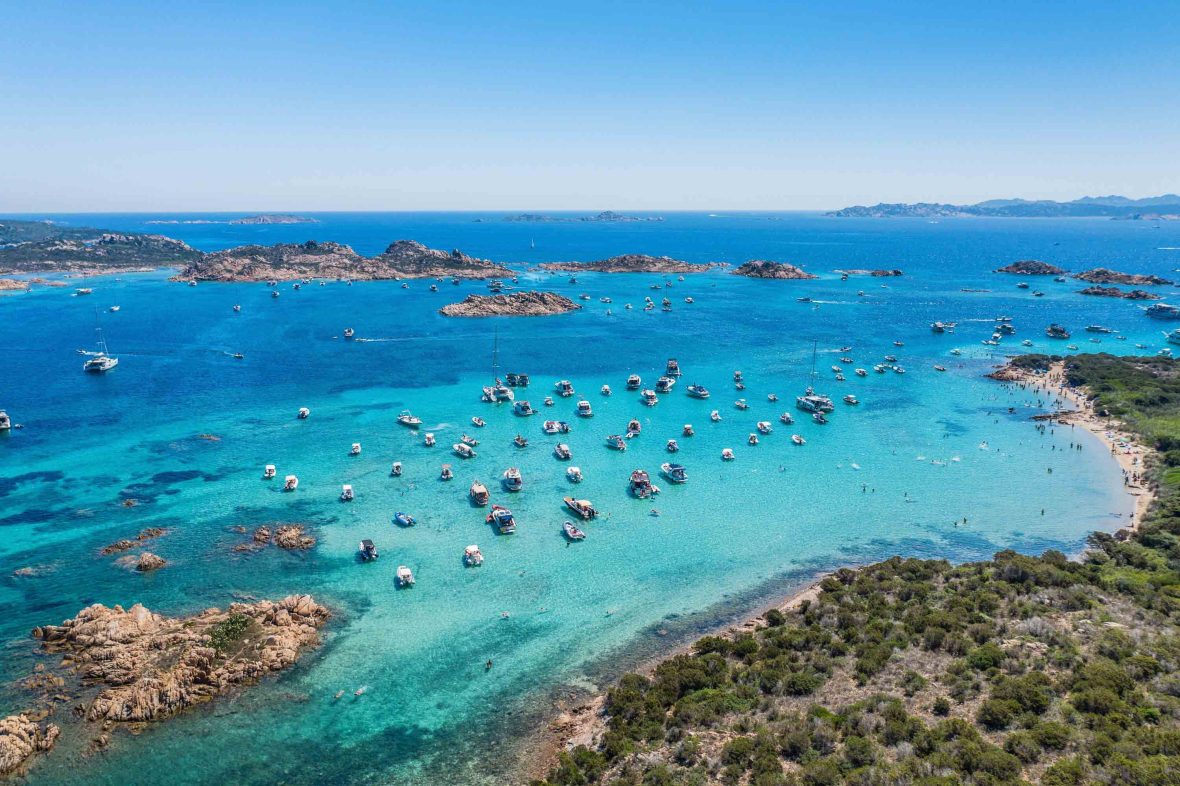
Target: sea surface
[929,464]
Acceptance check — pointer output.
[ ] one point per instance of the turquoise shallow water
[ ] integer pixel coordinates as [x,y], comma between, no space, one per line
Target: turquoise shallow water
[735,535]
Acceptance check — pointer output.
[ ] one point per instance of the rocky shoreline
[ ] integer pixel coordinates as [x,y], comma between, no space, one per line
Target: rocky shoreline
[764,268]
[133,666]
[518,304]
[630,263]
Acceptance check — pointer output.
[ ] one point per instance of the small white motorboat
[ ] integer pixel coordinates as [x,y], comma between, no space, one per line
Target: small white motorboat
[573,475]
[428,440]
[727,454]
[446,473]
[763,426]
[798,440]
[478,422]
[290,483]
[269,471]
[649,398]
[407,418]
[634,382]
[346,494]
[405,577]
[673,446]
[304,413]
[851,399]
[512,480]
[463,450]
[571,532]
[688,430]
[752,439]
[479,494]
[741,404]
[715,416]
[396,469]
[583,409]
[562,451]
[472,556]
[675,473]
[786,418]
[604,390]
[355,450]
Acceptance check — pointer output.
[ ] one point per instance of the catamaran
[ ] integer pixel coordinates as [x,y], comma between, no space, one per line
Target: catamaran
[101,361]
[811,401]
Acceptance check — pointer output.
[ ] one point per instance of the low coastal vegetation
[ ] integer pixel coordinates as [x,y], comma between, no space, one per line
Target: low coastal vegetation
[1014,670]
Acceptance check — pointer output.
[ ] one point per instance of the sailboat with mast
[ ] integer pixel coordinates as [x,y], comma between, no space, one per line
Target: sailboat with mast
[101,361]
[811,401]
[497,391]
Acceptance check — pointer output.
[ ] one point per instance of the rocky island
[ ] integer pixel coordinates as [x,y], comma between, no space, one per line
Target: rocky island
[42,247]
[1102,206]
[628,263]
[135,665]
[1134,294]
[880,273]
[20,738]
[1032,267]
[762,268]
[1101,275]
[315,259]
[518,304]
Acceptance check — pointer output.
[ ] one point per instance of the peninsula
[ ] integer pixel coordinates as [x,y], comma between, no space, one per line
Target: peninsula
[1010,670]
[313,259]
[518,304]
[43,247]
[762,268]
[629,263]
[1119,207]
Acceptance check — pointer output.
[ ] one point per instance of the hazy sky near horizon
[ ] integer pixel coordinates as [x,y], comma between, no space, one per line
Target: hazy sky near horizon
[626,105]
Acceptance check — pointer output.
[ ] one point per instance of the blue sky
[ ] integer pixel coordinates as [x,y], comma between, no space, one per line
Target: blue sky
[626,105]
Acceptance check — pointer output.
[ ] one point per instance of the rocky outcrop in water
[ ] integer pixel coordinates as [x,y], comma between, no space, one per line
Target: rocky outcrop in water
[882,273]
[628,263]
[1134,294]
[146,666]
[20,739]
[290,261]
[762,268]
[518,304]
[126,544]
[1102,275]
[1032,267]
[148,562]
[12,285]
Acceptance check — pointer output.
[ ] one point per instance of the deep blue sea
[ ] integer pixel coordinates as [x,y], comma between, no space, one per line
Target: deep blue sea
[891,476]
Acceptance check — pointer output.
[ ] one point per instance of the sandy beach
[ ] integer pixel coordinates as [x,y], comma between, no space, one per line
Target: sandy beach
[1122,444]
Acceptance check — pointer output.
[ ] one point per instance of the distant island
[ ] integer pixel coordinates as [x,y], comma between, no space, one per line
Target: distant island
[262,218]
[314,259]
[518,304]
[629,263]
[275,218]
[1101,275]
[604,216]
[1162,207]
[762,268]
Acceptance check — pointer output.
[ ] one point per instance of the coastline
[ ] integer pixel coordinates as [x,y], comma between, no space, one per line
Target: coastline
[585,722]
[1120,441]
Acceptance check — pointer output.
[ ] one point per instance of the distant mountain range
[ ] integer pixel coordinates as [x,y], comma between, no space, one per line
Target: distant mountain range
[1166,206]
